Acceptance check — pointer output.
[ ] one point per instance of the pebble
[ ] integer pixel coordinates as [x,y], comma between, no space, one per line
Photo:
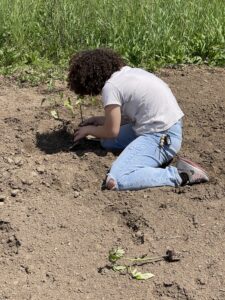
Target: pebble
[168,283]
[200,281]
[14,185]
[217,150]
[27,181]
[11,238]
[40,169]
[139,234]
[219,195]
[9,160]
[14,193]
[33,173]
[76,194]
[18,161]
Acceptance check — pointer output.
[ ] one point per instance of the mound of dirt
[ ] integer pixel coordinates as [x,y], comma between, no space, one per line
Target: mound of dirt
[57,226]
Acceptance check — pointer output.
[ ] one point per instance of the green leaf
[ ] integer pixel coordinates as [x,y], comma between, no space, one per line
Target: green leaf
[79,101]
[115,254]
[141,276]
[67,103]
[54,114]
[119,268]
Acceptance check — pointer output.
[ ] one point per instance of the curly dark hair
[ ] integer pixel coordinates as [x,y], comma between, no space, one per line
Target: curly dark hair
[89,70]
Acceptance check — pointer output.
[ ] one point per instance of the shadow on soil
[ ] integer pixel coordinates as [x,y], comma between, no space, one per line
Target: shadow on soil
[61,141]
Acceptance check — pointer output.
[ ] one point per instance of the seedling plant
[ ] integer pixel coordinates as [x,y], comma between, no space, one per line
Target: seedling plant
[67,103]
[117,254]
[129,265]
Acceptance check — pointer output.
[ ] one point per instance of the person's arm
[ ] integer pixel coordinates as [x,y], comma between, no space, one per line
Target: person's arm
[96,121]
[110,128]
[100,120]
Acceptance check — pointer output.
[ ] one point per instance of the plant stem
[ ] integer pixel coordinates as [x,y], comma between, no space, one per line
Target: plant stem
[81,113]
[144,259]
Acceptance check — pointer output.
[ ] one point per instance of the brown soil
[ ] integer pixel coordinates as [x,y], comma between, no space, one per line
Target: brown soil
[57,226]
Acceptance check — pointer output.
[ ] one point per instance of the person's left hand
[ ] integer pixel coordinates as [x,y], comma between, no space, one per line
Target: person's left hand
[80,133]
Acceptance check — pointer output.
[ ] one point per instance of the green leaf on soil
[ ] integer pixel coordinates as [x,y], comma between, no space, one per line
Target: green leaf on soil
[79,101]
[115,254]
[68,105]
[119,268]
[141,276]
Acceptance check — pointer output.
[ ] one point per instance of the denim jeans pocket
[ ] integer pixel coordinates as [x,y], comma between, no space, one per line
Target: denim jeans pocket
[175,140]
[172,150]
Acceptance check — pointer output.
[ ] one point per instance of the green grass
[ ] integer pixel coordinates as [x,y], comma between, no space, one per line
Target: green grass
[37,37]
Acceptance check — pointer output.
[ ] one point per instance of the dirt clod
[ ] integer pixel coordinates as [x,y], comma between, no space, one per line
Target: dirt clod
[14,193]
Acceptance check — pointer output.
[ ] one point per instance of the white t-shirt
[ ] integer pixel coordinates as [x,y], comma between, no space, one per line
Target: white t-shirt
[144,98]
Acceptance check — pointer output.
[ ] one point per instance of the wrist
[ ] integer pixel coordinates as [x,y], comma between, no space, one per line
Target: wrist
[96,131]
[90,129]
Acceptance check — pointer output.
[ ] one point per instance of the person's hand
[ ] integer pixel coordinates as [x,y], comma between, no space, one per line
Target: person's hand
[80,133]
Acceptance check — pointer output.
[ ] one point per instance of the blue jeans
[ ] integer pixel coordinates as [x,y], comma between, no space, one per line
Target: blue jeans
[140,164]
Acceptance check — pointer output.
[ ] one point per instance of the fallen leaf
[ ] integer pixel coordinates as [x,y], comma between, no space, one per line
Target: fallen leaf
[141,276]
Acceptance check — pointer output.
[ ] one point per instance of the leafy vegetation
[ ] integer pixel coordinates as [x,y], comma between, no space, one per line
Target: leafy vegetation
[38,37]
[116,254]
[67,104]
